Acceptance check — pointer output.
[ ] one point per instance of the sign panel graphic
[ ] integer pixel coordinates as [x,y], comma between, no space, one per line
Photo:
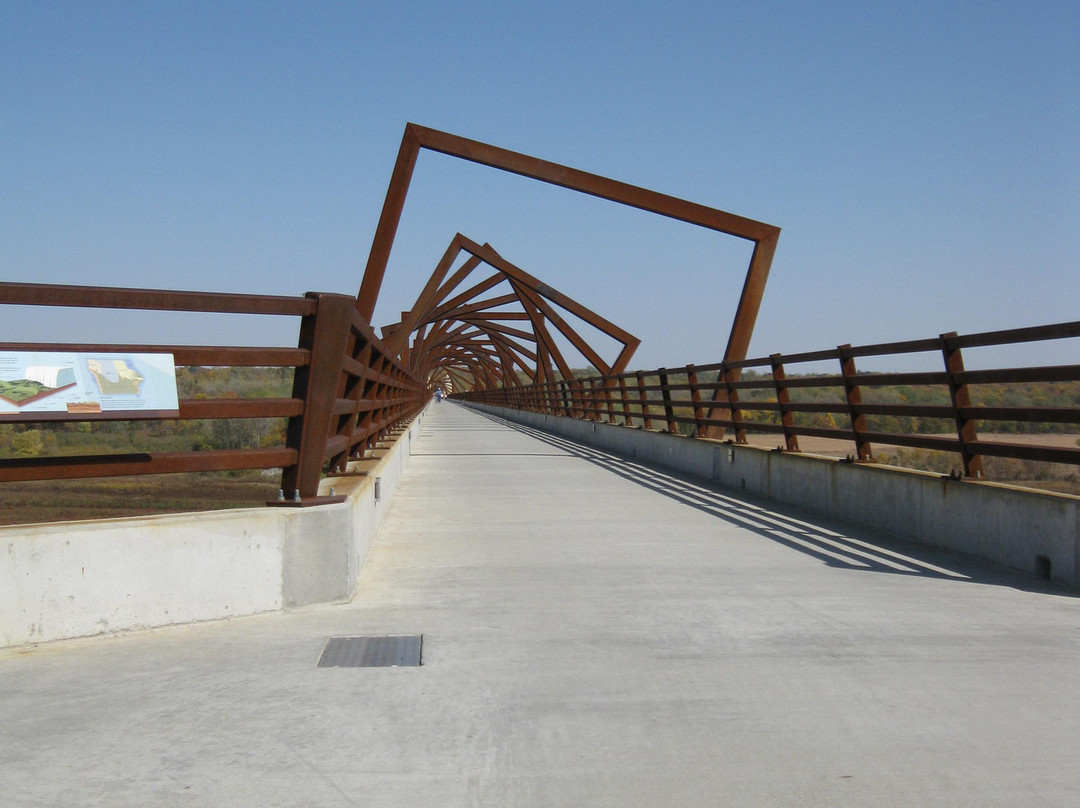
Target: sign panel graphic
[36,386]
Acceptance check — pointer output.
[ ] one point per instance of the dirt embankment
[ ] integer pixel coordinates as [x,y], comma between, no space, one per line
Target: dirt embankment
[65,500]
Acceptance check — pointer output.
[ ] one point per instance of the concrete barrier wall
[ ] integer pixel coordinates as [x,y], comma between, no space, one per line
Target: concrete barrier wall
[1017,528]
[75,579]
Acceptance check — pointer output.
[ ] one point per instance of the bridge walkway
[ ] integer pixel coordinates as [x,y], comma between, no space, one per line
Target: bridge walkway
[595,633]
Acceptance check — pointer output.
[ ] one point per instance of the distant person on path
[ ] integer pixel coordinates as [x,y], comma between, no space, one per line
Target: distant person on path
[438,395]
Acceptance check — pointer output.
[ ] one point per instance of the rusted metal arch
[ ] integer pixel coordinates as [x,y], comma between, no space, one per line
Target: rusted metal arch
[546,349]
[454,333]
[498,358]
[539,292]
[476,342]
[480,306]
[491,325]
[478,366]
[497,332]
[527,287]
[460,304]
[464,362]
[415,138]
[501,357]
[426,353]
[537,300]
[485,333]
[498,354]
[458,357]
[512,351]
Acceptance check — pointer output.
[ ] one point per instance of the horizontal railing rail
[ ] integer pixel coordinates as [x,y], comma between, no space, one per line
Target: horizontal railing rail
[714,400]
[347,393]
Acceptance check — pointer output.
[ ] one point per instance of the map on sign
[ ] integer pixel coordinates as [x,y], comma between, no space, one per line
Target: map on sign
[113,385]
[115,377]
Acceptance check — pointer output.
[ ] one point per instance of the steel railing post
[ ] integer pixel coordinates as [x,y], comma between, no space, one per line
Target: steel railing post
[853,394]
[783,398]
[669,410]
[695,397]
[961,398]
[325,334]
[732,402]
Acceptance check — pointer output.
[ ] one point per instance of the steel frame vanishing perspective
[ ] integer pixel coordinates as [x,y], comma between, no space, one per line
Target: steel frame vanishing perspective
[483,365]
[352,389]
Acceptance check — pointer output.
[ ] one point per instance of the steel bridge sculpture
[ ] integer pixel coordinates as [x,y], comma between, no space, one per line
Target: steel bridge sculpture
[467,343]
[353,389]
[416,138]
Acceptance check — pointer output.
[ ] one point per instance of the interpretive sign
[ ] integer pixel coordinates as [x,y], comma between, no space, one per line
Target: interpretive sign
[40,386]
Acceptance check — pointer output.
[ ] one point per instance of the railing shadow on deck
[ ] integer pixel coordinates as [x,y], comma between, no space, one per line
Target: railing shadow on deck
[816,537]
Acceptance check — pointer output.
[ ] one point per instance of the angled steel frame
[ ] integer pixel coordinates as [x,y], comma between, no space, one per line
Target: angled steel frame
[764,236]
[446,323]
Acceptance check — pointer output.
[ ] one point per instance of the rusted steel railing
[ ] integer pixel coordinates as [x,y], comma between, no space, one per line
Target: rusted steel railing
[348,392]
[709,403]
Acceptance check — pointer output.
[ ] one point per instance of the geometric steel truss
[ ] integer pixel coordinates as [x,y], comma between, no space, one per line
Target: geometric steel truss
[484,344]
[352,389]
[463,340]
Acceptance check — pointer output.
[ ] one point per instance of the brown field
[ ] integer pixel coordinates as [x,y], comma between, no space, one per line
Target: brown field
[1028,474]
[66,500]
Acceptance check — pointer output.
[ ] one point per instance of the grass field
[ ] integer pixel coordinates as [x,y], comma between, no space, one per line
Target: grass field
[66,500]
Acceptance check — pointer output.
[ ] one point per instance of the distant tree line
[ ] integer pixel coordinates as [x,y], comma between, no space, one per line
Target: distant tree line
[1036,394]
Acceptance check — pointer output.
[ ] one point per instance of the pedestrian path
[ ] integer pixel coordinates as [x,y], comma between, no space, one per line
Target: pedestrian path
[595,633]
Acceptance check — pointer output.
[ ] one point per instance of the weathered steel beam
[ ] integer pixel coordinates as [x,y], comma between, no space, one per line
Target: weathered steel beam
[416,137]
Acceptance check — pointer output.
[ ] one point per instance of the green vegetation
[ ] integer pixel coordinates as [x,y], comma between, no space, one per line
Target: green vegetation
[21,390]
[1037,394]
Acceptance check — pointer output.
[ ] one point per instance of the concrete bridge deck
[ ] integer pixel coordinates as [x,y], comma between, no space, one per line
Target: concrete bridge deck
[596,633]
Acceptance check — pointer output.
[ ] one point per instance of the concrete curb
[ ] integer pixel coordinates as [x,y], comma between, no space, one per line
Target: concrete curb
[76,579]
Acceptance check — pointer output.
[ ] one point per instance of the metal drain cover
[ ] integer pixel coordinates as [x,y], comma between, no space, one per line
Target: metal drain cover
[371,652]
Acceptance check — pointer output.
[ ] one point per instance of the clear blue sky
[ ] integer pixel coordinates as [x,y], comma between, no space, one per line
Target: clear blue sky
[922,158]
